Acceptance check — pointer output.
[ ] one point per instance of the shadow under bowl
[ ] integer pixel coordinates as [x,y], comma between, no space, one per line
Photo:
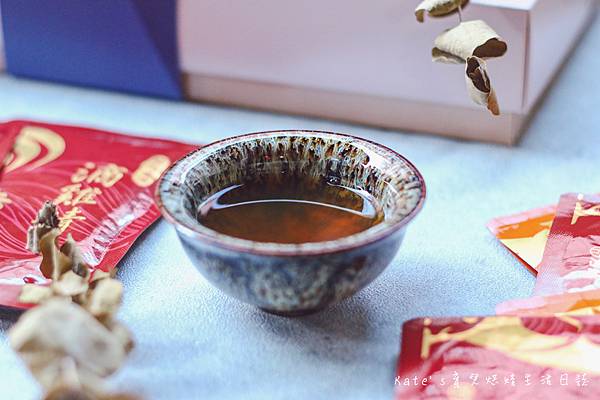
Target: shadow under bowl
[291,279]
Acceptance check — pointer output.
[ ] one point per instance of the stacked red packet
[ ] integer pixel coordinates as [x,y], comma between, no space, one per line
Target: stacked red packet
[569,275]
[544,347]
[571,260]
[101,182]
[500,358]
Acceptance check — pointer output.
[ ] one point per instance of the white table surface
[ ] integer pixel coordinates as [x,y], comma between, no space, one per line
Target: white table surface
[193,342]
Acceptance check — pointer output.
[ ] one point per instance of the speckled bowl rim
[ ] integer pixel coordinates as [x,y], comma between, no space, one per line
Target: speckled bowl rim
[227,242]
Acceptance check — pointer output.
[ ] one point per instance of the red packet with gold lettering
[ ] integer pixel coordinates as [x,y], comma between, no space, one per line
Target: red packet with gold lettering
[101,182]
[525,234]
[571,260]
[504,357]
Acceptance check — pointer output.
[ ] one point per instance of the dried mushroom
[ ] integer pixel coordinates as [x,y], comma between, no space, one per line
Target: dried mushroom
[70,341]
[438,8]
[479,86]
[471,38]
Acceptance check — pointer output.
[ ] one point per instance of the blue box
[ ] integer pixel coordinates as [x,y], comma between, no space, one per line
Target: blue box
[124,45]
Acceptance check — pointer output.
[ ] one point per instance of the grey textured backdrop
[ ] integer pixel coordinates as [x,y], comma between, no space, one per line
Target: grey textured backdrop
[193,342]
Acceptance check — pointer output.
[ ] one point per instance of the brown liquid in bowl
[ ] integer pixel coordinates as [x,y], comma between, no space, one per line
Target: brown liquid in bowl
[290,212]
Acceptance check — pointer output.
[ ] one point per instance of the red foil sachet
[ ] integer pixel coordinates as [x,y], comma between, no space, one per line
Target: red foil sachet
[571,260]
[102,184]
[500,358]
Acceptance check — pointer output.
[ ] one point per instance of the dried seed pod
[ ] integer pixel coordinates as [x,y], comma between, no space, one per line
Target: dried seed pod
[34,294]
[46,220]
[470,38]
[479,85]
[438,8]
[54,263]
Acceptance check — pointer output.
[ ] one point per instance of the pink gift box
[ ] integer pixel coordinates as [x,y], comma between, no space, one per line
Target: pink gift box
[370,62]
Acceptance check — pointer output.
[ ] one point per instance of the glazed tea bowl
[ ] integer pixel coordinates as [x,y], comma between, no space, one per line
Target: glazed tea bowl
[291,279]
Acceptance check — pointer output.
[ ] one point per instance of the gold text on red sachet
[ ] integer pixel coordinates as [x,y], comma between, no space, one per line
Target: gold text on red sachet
[74,194]
[106,175]
[84,189]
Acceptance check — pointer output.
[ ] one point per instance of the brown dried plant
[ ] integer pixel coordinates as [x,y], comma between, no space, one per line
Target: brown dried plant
[469,43]
[71,340]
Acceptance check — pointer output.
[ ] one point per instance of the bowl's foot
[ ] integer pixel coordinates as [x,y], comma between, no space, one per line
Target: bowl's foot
[292,313]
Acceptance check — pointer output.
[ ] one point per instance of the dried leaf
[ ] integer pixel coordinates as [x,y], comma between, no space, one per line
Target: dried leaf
[46,220]
[34,294]
[54,263]
[470,38]
[479,86]
[70,284]
[438,8]
[105,298]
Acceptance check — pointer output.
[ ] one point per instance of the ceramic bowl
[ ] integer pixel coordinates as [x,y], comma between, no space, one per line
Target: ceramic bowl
[291,279]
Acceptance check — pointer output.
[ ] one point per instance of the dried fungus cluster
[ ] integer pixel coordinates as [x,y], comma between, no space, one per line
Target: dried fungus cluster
[469,43]
[71,340]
